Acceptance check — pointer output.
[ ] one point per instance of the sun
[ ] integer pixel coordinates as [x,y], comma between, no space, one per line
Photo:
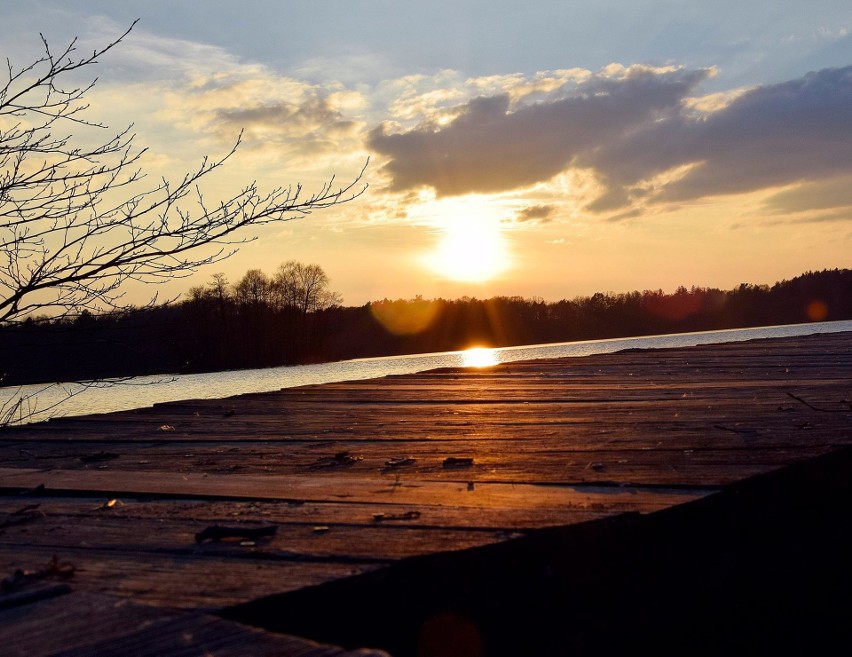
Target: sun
[472,244]
[472,249]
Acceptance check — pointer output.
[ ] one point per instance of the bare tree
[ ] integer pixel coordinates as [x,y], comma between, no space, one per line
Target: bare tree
[254,289]
[219,287]
[78,222]
[304,287]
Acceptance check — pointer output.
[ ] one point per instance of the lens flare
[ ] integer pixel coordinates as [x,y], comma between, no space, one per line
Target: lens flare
[817,310]
[405,317]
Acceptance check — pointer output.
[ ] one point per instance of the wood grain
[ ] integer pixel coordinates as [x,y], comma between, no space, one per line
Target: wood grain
[355,475]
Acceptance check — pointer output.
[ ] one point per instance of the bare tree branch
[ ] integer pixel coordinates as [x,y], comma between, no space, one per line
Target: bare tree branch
[27,405]
[76,224]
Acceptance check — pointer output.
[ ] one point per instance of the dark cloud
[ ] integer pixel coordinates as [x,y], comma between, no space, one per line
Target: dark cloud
[623,216]
[770,136]
[312,115]
[612,199]
[822,195]
[833,217]
[541,213]
[487,148]
[631,129]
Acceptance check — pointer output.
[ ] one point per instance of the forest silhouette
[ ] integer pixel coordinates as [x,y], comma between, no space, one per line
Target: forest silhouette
[219,328]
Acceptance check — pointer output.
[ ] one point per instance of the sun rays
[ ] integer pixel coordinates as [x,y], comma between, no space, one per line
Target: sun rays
[473,247]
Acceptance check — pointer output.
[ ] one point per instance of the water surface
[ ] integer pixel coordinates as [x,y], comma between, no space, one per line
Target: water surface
[63,399]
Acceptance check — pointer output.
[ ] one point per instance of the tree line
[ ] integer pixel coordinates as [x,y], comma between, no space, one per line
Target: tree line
[294,287]
[293,317]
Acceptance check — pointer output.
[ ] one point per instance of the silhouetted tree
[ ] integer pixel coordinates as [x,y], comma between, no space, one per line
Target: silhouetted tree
[78,221]
[217,290]
[254,289]
[303,287]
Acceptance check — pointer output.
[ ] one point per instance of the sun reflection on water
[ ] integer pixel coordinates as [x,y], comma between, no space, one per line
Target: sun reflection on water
[479,357]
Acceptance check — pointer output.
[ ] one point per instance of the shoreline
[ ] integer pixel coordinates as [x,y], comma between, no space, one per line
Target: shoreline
[224,384]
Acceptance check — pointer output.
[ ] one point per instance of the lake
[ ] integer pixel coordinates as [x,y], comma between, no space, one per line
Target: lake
[65,399]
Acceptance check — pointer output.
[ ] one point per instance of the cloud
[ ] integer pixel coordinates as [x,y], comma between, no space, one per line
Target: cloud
[190,99]
[488,148]
[146,56]
[644,132]
[641,138]
[311,117]
[437,99]
[768,137]
[823,201]
[206,89]
[623,216]
[831,217]
[715,101]
[363,67]
[539,213]
[281,119]
[833,32]
[825,194]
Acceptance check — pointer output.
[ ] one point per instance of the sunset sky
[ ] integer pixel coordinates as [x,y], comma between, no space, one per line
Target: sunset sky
[549,149]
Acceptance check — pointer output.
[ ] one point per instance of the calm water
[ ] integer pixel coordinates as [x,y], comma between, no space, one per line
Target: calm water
[144,391]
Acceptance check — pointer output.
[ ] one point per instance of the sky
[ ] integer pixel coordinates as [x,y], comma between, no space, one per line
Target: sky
[551,149]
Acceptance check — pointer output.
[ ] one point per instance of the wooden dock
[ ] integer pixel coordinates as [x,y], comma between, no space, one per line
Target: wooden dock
[138,529]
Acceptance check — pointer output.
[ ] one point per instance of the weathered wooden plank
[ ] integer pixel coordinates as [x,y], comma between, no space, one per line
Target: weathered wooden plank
[368,542]
[289,407]
[109,627]
[387,490]
[331,514]
[530,461]
[774,423]
[182,580]
[86,620]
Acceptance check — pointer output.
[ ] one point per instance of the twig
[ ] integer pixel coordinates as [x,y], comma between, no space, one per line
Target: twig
[408,515]
[36,490]
[54,568]
[458,462]
[744,432]
[27,508]
[400,462]
[336,461]
[816,408]
[218,532]
[97,457]
[19,518]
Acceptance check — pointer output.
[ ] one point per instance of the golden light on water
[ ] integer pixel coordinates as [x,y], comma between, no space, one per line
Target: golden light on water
[479,357]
